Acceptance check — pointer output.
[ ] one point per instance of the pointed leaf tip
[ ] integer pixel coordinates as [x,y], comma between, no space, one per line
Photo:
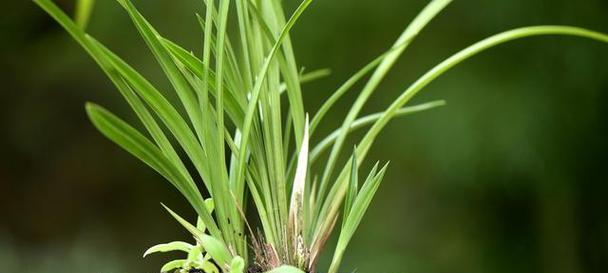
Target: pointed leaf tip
[171,246]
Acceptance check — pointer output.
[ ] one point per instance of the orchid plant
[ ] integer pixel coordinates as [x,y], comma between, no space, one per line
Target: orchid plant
[241,122]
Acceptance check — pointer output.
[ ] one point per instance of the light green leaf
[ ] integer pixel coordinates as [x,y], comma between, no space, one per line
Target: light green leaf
[192,229]
[175,264]
[195,254]
[210,205]
[196,66]
[324,144]
[181,86]
[172,246]
[209,267]
[297,194]
[237,265]
[235,105]
[352,189]
[359,207]
[338,189]
[408,35]
[83,12]
[173,120]
[130,139]
[255,93]
[348,84]
[216,249]
[286,269]
[308,77]
[127,92]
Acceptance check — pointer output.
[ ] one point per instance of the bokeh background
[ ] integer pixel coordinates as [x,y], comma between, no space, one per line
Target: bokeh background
[510,176]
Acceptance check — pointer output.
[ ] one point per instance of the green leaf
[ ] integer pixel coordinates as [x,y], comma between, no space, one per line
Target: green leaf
[195,255]
[234,106]
[209,267]
[141,111]
[423,18]
[198,235]
[169,115]
[181,86]
[267,23]
[338,189]
[237,265]
[359,207]
[83,12]
[352,189]
[172,246]
[255,93]
[308,77]
[216,249]
[260,206]
[210,205]
[124,88]
[348,84]
[196,66]
[286,269]
[225,210]
[465,54]
[324,144]
[130,139]
[297,194]
[175,264]
[172,120]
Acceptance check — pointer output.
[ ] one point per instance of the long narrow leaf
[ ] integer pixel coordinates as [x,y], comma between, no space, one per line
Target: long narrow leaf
[257,88]
[324,144]
[84,8]
[338,189]
[423,18]
[129,139]
[126,90]
[354,217]
[152,39]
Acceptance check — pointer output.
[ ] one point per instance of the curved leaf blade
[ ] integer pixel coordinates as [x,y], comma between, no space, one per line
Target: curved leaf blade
[167,247]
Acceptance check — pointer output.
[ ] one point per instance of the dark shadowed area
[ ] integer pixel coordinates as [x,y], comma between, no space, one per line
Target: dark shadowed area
[510,176]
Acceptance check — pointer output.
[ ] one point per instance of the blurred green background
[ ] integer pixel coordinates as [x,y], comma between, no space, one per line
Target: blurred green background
[510,176]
